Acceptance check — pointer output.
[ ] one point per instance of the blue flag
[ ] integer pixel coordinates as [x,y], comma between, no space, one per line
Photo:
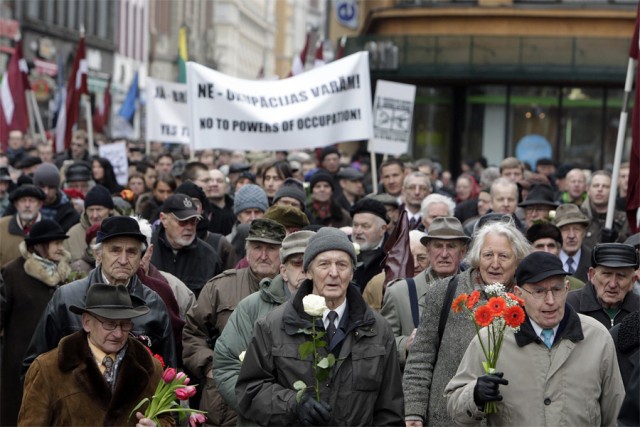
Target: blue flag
[128,108]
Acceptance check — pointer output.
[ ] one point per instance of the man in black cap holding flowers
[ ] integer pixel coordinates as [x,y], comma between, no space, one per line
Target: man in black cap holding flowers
[571,376]
[119,249]
[97,375]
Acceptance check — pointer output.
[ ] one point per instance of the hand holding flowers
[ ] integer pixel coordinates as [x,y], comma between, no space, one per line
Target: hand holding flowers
[173,385]
[314,306]
[503,311]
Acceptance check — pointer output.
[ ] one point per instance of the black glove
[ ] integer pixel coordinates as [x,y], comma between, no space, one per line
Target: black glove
[487,388]
[608,235]
[310,412]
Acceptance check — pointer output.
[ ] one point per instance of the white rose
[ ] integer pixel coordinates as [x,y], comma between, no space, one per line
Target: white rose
[356,247]
[241,356]
[314,305]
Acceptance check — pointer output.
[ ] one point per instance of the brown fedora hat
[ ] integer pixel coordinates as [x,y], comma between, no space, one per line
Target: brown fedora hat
[445,228]
[569,213]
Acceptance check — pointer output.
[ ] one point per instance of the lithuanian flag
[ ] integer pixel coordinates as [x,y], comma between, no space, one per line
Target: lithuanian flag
[182,54]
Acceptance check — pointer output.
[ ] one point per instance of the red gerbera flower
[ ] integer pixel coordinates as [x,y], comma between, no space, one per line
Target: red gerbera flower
[484,316]
[514,316]
[497,305]
[473,299]
[457,303]
[515,298]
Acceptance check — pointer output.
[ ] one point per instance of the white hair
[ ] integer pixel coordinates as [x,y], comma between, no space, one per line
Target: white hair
[435,198]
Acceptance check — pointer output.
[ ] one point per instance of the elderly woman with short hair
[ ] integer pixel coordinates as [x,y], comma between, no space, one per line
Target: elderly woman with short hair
[442,338]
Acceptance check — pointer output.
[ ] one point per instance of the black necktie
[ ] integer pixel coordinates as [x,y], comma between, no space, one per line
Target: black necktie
[331,328]
[413,222]
[570,268]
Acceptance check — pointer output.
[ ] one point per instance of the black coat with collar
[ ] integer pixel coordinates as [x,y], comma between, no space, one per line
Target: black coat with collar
[585,301]
[194,264]
[65,387]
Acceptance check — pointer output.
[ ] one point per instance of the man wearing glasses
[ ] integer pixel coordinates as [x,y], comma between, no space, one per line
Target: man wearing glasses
[571,376]
[97,375]
[608,296]
[178,250]
[119,249]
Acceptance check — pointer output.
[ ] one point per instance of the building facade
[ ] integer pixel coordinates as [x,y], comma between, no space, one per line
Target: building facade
[505,78]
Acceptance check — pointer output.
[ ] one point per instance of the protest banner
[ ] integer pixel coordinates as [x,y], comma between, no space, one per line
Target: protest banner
[116,153]
[392,112]
[167,118]
[320,107]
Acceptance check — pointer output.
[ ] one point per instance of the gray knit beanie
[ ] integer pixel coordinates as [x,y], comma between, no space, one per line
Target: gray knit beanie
[248,197]
[328,239]
[293,188]
[47,175]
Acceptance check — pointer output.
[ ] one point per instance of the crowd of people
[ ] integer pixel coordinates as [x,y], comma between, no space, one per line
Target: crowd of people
[205,260]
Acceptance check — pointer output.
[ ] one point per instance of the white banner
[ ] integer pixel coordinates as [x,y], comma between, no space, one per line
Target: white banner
[116,153]
[167,112]
[393,113]
[320,107]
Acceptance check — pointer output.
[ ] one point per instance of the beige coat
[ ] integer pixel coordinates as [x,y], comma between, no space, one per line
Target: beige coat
[576,382]
[396,308]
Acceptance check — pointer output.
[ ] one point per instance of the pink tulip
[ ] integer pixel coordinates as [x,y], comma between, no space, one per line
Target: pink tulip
[182,378]
[168,375]
[184,393]
[195,419]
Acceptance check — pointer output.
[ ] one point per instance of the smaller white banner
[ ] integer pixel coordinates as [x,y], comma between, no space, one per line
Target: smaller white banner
[167,112]
[116,153]
[392,117]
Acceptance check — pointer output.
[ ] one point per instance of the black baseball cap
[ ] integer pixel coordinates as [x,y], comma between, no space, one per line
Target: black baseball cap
[538,266]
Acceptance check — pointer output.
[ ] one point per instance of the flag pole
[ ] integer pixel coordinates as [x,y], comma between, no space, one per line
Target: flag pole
[622,128]
[32,97]
[87,110]
[374,167]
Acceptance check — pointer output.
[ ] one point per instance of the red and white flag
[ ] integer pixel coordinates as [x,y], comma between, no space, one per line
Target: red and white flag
[633,192]
[300,60]
[13,99]
[101,116]
[319,57]
[341,45]
[76,87]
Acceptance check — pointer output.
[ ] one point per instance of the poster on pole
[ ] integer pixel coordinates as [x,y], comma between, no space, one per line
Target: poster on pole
[116,153]
[167,118]
[320,107]
[393,114]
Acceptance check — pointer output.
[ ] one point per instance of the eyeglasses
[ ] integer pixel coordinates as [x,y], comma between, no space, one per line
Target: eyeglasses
[541,293]
[111,325]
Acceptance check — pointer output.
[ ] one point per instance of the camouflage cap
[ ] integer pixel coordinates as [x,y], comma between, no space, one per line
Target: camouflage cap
[267,231]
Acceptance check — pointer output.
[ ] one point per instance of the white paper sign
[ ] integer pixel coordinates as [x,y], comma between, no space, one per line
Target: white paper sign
[167,112]
[393,113]
[320,107]
[116,153]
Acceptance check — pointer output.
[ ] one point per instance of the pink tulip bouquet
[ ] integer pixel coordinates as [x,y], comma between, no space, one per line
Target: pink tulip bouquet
[173,385]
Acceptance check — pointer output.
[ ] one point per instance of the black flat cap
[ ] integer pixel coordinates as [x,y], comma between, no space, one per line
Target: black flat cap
[538,266]
[614,255]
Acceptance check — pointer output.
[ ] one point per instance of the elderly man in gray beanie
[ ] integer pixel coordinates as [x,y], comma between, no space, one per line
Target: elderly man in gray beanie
[365,385]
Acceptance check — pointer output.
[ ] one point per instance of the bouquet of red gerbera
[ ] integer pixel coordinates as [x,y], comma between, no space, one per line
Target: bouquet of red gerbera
[173,385]
[503,310]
